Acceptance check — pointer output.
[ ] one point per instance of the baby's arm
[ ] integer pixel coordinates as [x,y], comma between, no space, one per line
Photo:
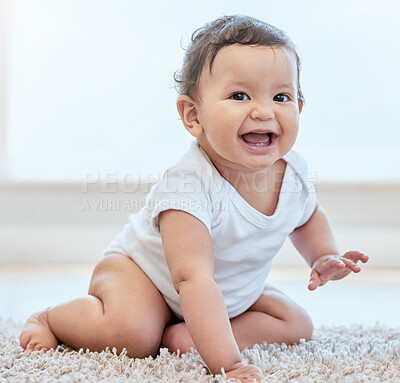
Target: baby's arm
[189,253]
[315,242]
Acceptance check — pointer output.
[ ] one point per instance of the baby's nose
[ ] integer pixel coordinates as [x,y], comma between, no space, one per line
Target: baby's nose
[263,111]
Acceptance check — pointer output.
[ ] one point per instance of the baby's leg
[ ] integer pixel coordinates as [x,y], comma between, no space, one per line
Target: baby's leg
[273,318]
[123,310]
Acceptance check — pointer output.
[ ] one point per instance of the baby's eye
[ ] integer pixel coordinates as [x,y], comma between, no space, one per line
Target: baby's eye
[281,97]
[240,96]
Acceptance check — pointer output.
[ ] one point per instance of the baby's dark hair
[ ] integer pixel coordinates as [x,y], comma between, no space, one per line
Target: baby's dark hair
[227,30]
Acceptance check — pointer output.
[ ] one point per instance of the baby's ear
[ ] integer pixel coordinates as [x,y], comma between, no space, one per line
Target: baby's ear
[187,109]
[300,106]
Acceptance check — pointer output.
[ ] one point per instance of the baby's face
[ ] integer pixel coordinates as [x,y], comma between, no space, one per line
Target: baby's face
[248,107]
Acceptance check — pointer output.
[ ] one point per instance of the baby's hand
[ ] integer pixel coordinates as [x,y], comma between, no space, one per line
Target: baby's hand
[332,267]
[243,373]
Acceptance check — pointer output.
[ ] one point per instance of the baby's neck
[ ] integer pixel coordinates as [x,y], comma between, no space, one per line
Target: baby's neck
[262,189]
[263,181]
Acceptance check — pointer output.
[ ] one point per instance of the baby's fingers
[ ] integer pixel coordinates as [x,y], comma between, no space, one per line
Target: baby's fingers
[315,280]
[351,265]
[355,256]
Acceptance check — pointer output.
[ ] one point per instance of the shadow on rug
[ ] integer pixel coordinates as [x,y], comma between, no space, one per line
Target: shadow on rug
[337,354]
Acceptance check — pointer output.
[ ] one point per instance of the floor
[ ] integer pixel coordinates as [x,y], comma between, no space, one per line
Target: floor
[367,298]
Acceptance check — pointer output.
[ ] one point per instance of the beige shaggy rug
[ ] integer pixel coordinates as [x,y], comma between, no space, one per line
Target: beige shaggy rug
[337,354]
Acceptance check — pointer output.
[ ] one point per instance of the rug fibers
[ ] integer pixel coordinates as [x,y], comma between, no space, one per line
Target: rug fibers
[336,354]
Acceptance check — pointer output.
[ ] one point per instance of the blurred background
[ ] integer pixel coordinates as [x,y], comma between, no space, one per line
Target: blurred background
[88,119]
[87,86]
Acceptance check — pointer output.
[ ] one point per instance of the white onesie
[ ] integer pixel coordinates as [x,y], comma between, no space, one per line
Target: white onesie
[245,240]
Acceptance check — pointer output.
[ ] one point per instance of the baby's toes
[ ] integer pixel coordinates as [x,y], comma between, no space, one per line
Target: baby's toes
[36,333]
[35,346]
[40,347]
[27,342]
[23,341]
[30,347]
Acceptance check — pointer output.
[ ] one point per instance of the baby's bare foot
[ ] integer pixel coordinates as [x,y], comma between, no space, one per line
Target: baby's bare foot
[243,373]
[177,337]
[36,334]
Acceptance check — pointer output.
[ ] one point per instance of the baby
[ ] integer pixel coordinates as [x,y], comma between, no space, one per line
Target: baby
[189,269]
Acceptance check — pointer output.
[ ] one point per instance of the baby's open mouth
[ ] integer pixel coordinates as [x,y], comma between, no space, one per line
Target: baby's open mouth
[258,139]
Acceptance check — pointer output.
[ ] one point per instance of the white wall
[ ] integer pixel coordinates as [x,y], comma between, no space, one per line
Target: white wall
[89,84]
[2,89]
[86,91]
[71,223]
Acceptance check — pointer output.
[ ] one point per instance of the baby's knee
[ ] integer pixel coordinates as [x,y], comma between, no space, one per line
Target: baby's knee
[140,338]
[177,337]
[301,326]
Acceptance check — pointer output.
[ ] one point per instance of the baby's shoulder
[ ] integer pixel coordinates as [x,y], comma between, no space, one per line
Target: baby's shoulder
[192,173]
[296,161]
[192,165]
[299,168]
